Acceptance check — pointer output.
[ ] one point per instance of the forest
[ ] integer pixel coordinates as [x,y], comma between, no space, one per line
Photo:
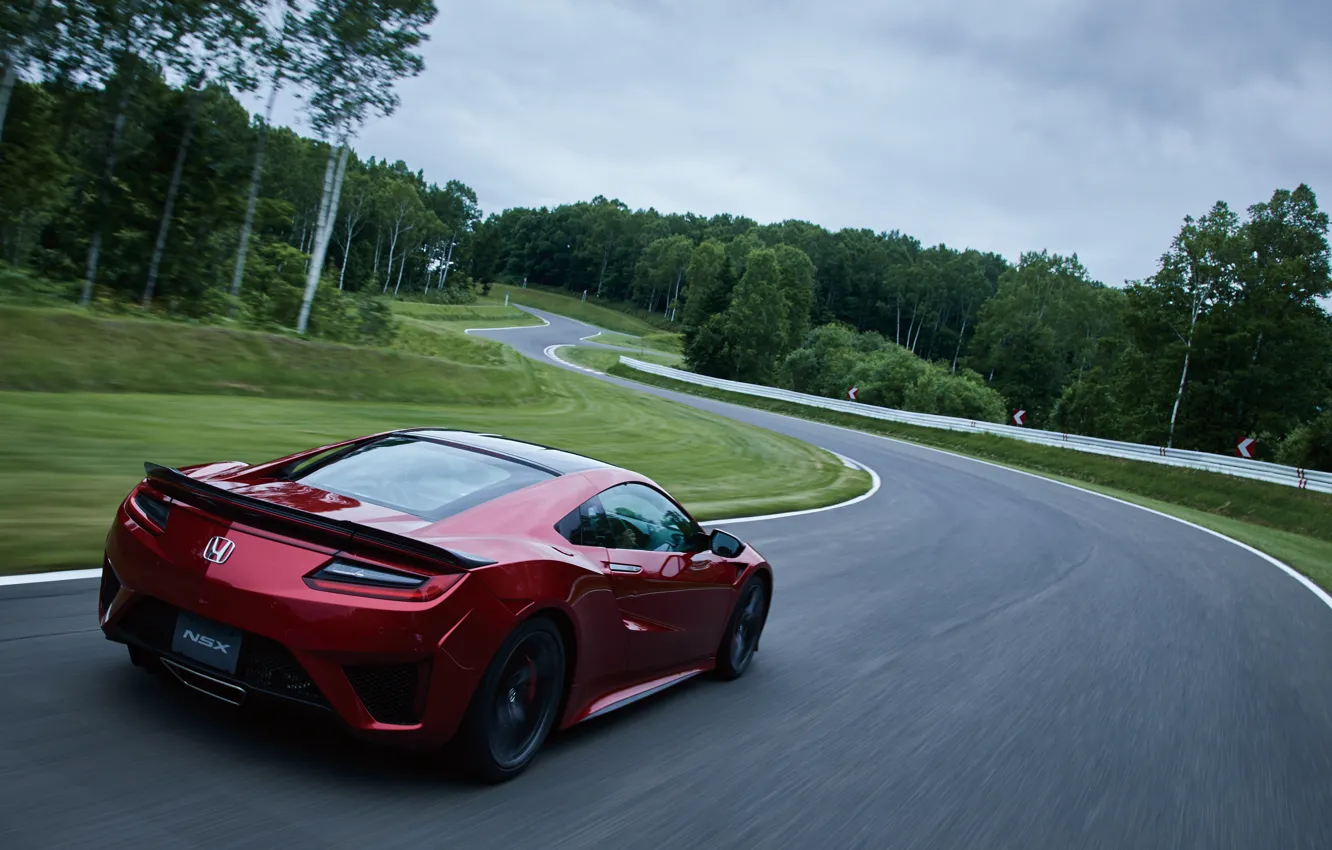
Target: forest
[133,179]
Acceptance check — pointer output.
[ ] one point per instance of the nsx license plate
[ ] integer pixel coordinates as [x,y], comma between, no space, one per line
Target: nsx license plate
[207,642]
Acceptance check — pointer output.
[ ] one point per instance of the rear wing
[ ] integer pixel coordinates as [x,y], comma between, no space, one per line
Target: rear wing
[339,534]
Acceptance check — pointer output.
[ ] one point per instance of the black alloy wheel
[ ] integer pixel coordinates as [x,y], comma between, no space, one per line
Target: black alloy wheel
[742,633]
[515,705]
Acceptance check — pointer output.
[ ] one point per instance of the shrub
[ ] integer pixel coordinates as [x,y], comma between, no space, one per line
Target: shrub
[1310,445]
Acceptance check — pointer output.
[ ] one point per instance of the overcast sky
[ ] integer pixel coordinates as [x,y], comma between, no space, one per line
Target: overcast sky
[1087,126]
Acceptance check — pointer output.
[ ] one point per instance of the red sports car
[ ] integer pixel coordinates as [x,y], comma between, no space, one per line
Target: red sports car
[429,587]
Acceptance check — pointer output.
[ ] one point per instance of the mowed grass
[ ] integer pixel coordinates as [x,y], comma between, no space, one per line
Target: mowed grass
[481,315]
[553,301]
[1290,524]
[67,351]
[664,343]
[603,359]
[71,454]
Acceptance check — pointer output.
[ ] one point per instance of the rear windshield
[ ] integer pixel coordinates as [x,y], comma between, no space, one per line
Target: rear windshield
[419,477]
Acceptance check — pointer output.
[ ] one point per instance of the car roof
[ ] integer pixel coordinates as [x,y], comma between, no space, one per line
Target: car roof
[556,461]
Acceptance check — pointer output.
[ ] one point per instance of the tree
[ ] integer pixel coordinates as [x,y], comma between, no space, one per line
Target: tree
[1037,333]
[1199,270]
[756,320]
[355,51]
[661,269]
[355,212]
[121,44]
[706,293]
[214,42]
[400,210]
[274,56]
[797,292]
[25,28]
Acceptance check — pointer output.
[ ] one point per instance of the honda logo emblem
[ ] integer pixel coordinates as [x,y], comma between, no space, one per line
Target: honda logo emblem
[218,550]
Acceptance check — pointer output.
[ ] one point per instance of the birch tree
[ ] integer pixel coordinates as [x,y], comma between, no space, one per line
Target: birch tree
[355,51]
[1198,271]
[355,213]
[214,43]
[275,58]
[400,210]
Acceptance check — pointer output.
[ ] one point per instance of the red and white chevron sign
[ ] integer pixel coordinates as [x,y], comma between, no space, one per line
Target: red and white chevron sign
[853,393]
[1019,417]
[1244,446]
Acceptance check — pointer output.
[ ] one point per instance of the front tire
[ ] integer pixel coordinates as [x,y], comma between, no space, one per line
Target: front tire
[740,641]
[515,705]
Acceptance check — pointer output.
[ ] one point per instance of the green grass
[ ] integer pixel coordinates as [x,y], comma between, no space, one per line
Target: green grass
[72,450]
[664,343]
[603,359]
[591,311]
[69,350]
[484,315]
[1290,524]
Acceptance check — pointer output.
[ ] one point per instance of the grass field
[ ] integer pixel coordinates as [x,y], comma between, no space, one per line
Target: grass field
[67,350]
[482,315]
[185,394]
[1290,524]
[603,359]
[663,343]
[554,301]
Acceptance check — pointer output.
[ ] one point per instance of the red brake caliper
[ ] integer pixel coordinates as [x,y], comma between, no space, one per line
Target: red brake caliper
[531,679]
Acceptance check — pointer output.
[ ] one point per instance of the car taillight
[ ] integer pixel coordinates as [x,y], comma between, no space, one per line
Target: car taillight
[154,510]
[379,582]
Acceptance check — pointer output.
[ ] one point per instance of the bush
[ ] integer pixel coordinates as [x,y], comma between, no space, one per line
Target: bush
[460,289]
[1310,445]
[20,287]
[835,357]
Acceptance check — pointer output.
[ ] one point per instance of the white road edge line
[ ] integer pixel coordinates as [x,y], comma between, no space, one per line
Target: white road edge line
[550,350]
[543,324]
[54,575]
[875,483]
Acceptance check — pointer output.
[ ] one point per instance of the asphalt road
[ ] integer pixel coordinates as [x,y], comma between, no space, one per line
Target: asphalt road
[972,658]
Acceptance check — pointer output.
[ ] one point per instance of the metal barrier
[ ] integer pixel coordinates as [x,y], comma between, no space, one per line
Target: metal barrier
[1236,466]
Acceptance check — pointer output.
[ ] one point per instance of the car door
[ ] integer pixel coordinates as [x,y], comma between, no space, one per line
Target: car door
[674,594]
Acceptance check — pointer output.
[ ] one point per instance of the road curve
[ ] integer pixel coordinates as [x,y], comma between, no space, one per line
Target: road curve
[970,658]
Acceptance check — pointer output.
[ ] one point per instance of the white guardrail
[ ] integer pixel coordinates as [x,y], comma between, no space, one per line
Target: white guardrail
[1236,466]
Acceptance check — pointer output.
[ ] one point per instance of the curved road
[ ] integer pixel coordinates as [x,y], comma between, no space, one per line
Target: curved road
[971,658]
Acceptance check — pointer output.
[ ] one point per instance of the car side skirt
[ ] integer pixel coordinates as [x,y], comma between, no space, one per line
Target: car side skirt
[629,695]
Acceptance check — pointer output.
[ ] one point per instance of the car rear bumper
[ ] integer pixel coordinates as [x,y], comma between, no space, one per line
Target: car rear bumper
[396,672]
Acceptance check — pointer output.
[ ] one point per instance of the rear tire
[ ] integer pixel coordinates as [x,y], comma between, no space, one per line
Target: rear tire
[515,705]
[741,638]
[144,660]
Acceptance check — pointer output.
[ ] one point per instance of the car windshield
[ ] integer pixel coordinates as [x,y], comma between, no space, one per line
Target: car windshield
[419,477]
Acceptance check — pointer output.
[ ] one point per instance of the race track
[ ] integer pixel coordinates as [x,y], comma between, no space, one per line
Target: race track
[971,658]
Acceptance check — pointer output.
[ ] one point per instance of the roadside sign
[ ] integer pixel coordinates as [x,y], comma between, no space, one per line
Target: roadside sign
[1019,417]
[853,393]
[1244,447]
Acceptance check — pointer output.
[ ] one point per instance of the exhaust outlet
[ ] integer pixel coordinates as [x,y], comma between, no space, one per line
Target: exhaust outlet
[216,688]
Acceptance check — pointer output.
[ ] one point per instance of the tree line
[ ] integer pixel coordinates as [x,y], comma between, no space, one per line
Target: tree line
[1226,340]
[130,169]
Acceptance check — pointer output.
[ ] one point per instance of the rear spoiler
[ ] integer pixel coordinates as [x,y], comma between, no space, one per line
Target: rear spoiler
[257,512]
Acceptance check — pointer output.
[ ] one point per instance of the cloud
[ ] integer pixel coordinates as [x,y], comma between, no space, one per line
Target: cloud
[1087,127]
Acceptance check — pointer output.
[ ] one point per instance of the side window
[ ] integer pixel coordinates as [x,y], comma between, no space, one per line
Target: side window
[639,517]
[571,527]
[585,525]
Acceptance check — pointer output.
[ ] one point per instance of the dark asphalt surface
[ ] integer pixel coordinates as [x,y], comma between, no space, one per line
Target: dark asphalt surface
[972,658]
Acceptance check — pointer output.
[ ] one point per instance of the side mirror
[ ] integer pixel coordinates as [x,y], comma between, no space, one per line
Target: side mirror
[725,545]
